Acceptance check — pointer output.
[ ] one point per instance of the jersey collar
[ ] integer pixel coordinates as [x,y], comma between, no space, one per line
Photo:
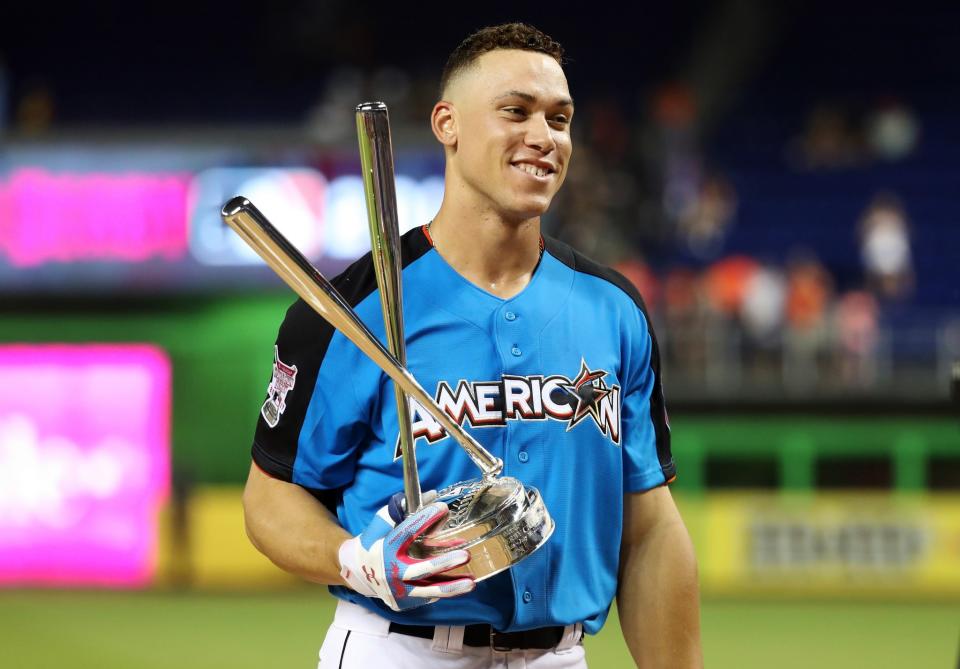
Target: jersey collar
[537,303]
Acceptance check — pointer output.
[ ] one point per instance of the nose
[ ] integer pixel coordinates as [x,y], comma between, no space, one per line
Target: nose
[539,135]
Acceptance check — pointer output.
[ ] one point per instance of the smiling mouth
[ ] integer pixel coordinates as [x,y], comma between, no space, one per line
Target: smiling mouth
[533,170]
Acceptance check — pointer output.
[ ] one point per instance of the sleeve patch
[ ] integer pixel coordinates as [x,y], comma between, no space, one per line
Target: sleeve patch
[283,380]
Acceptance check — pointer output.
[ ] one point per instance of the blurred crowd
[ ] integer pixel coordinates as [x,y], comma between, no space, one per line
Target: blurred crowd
[835,137]
[644,196]
[772,323]
[791,322]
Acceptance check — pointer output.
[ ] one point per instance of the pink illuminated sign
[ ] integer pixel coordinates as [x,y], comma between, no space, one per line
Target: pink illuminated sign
[84,463]
[46,217]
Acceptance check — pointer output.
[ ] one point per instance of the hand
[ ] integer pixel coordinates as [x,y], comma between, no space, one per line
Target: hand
[377,563]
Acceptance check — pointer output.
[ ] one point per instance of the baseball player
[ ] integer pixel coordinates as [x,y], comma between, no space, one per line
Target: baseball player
[546,358]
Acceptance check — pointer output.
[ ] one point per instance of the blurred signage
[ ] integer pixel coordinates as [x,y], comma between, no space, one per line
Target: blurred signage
[320,219]
[292,199]
[347,235]
[64,218]
[84,463]
[824,544]
[64,231]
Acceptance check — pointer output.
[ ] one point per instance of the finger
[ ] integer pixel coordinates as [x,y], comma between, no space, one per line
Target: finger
[397,506]
[461,586]
[421,521]
[433,543]
[415,526]
[436,565]
[378,528]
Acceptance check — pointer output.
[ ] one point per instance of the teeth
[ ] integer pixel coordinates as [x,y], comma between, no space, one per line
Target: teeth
[532,169]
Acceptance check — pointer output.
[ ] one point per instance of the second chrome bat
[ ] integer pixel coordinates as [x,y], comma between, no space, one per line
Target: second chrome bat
[376,162]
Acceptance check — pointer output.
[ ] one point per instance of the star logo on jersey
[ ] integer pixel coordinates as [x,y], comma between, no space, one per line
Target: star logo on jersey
[588,391]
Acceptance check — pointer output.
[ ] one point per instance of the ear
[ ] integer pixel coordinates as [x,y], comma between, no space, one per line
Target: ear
[443,122]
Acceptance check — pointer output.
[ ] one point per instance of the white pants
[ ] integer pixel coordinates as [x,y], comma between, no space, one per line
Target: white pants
[360,639]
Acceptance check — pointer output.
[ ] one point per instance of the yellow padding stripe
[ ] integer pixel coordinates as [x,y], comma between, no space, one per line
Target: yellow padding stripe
[211,549]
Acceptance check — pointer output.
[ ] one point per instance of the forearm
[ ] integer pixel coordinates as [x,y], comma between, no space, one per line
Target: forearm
[658,598]
[293,529]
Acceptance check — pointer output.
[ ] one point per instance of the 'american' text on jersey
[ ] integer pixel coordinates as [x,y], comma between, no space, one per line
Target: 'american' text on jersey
[493,403]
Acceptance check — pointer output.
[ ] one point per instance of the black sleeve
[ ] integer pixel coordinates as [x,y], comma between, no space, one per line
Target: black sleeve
[299,353]
[658,409]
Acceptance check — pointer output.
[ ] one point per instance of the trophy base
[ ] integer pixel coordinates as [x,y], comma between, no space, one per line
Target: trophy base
[499,520]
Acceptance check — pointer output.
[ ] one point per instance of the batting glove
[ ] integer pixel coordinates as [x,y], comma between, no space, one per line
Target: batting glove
[377,563]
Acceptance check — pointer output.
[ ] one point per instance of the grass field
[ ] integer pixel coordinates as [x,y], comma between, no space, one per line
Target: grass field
[160,630]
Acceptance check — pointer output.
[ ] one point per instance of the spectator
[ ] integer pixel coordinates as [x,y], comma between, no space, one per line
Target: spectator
[703,225]
[583,220]
[885,247]
[762,316]
[640,275]
[809,291]
[726,284]
[892,131]
[608,130]
[829,141]
[857,338]
[687,322]
[672,153]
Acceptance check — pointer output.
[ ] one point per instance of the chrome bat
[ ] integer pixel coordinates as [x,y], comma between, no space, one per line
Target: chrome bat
[305,280]
[376,161]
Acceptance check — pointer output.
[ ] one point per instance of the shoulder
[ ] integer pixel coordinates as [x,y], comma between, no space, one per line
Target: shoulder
[612,283]
[355,284]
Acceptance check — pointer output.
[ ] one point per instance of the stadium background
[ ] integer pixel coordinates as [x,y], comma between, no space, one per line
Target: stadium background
[779,179]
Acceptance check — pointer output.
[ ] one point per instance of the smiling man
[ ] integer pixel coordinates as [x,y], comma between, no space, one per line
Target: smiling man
[546,357]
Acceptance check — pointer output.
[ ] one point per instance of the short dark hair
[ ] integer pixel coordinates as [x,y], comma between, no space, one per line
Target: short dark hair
[504,36]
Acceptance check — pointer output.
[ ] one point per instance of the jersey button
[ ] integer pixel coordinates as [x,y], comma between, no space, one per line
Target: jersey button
[523,456]
[527,596]
[510,316]
[516,351]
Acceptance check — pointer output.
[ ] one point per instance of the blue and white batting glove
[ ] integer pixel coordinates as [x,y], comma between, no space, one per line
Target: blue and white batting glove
[377,563]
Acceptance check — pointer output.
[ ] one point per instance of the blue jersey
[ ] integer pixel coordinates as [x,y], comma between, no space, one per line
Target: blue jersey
[561,381]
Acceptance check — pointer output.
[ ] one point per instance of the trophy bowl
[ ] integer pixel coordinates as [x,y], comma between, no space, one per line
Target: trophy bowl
[499,521]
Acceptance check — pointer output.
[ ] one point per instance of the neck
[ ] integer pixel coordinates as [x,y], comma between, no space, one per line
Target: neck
[489,251]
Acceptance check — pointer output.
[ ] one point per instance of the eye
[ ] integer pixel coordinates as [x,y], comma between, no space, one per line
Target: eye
[561,119]
[515,111]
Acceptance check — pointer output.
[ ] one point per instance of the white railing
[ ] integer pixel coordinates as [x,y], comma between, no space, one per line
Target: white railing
[718,361]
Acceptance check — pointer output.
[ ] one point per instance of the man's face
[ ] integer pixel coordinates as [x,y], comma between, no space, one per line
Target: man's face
[513,111]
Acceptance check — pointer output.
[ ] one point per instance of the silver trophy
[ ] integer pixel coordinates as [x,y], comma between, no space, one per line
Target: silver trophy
[499,519]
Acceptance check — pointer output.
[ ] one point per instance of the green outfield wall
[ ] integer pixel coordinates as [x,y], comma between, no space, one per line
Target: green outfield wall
[221,350]
[805,451]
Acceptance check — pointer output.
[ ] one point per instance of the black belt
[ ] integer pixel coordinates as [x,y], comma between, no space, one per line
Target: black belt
[542,638]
